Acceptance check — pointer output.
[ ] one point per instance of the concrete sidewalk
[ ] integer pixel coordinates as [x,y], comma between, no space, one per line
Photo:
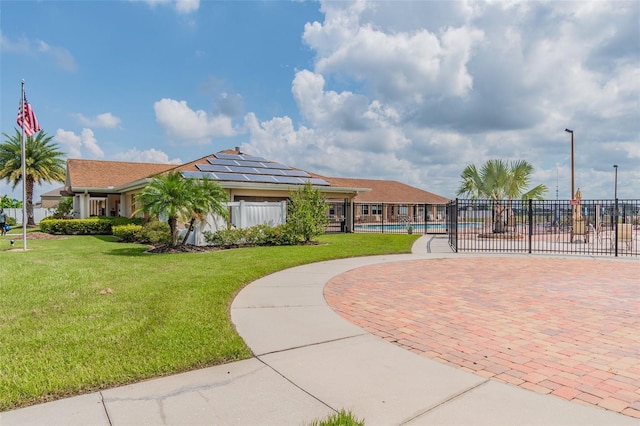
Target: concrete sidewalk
[308,362]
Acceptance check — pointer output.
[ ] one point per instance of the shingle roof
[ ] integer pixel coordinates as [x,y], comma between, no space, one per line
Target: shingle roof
[387,191]
[103,174]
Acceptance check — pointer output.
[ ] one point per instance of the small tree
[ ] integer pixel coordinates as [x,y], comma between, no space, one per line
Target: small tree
[499,181]
[177,198]
[307,212]
[64,208]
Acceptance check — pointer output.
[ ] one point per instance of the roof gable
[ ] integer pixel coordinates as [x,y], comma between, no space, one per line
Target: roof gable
[104,174]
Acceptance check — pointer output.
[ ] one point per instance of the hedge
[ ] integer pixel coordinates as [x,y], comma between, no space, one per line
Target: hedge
[91,226]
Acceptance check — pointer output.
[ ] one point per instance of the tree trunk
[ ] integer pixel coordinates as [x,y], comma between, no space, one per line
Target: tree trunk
[498,223]
[29,189]
[173,226]
[189,229]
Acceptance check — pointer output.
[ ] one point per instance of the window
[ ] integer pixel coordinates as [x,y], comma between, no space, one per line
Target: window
[403,210]
[365,209]
[376,209]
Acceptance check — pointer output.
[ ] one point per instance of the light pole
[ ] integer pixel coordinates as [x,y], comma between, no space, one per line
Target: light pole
[573,182]
[615,197]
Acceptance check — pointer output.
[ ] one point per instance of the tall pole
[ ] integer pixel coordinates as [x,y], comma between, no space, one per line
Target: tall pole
[615,197]
[24,175]
[573,181]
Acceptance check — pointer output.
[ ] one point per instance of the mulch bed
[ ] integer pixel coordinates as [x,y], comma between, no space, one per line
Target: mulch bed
[36,236]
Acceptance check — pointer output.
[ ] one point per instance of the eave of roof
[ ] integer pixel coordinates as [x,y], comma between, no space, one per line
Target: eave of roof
[388,191]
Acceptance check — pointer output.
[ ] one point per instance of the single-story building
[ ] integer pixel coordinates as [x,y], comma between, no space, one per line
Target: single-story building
[103,188]
[50,199]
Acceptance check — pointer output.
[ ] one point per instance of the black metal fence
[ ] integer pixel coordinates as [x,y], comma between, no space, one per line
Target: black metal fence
[586,227]
[390,218]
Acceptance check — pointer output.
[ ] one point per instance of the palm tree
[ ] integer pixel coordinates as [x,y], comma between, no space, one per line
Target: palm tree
[177,198]
[497,181]
[44,163]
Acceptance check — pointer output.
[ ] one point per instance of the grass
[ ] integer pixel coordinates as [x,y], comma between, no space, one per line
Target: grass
[86,313]
[341,418]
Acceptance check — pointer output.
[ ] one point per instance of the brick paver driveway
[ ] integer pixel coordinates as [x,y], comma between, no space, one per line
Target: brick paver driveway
[569,327]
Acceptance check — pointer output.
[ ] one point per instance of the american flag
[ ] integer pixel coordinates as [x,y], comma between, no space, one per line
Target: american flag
[28,120]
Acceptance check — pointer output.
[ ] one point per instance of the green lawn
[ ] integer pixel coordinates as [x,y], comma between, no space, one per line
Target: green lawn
[63,333]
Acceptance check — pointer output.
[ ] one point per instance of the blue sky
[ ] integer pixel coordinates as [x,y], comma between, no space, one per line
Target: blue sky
[410,91]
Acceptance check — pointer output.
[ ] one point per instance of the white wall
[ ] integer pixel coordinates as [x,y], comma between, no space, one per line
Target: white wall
[244,214]
[38,214]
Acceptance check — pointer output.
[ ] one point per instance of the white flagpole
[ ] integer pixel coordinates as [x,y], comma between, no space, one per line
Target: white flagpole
[24,178]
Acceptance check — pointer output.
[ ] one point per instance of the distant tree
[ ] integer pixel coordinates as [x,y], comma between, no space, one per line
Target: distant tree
[307,212]
[10,203]
[44,163]
[178,198]
[498,181]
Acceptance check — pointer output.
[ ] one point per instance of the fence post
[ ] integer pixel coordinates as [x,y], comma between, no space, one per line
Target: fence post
[615,229]
[530,218]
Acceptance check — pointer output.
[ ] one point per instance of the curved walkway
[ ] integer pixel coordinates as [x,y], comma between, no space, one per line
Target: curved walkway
[310,361]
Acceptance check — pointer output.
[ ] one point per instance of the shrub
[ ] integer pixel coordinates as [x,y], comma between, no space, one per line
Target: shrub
[93,226]
[154,232]
[127,233]
[307,212]
[259,235]
[226,238]
[281,235]
[64,208]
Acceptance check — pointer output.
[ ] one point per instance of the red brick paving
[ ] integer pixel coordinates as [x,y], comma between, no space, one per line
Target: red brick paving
[567,327]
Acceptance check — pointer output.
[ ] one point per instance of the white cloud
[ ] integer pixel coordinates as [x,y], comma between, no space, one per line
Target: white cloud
[147,156]
[181,122]
[181,6]
[434,86]
[90,143]
[403,66]
[106,120]
[60,56]
[74,145]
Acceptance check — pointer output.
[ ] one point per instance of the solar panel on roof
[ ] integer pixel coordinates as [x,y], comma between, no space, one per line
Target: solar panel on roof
[287,179]
[228,156]
[271,165]
[252,158]
[212,168]
[243,163]
[298,173]
[261,178]
[222,162]
[239,157]
[237,169]
[196,175]
[231,177]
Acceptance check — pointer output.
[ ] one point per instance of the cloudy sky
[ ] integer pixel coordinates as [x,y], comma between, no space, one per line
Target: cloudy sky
[402,90]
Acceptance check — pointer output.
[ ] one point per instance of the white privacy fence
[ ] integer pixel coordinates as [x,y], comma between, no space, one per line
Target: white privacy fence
[244,214]
[38,214]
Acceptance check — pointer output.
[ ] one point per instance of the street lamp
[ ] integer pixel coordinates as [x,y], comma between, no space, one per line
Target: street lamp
[615,197]
[573,182]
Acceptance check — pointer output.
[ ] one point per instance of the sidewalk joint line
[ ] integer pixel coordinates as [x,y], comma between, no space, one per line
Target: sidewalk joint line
[451,398]
[312,344]
[297,386]
[106,411]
